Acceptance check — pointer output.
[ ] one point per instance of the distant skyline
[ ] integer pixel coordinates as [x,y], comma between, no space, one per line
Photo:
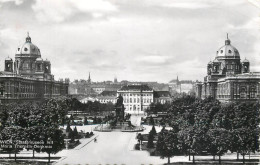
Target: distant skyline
[134,40]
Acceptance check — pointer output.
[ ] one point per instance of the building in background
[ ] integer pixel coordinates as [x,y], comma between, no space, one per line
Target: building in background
[137,98]
[183,86]
[28,76]
[162,97]
[107,96]
[229,79]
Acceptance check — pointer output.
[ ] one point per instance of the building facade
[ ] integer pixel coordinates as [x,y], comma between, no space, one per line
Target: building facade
[229,79]
[28,76]
[137,98]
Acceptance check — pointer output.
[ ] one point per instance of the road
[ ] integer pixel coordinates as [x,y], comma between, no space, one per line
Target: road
[111,148]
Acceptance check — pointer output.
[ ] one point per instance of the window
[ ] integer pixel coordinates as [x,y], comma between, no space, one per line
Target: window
[134,100]
[25,49]
[252,92]
[243,93]
[221,51]
[18,49]
[229,51]
[25,65]
[130,100]
[228,66]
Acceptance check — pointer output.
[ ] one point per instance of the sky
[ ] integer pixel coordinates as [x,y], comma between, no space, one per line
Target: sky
[135,40]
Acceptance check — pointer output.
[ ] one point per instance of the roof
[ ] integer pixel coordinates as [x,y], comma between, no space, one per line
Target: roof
[174,81]
[186,82]
[161,94]
[28,48]
[108,93]
[136,87]
[39,59]
[228,50]
[8,59]
[245,60]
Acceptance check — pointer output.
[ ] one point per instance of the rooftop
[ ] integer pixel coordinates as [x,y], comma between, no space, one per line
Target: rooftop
[136,87]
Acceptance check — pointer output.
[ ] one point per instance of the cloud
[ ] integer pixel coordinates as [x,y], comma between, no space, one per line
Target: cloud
[59,10]
[152,60]
[253,23]
[17,2]
[138,40]
[187,5]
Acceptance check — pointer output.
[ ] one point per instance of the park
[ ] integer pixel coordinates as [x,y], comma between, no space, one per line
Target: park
[192,131]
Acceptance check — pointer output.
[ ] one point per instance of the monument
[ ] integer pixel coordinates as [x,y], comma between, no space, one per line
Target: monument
[120,109]
[120,121]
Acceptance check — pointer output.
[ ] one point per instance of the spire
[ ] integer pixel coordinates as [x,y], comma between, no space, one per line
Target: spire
[28,38]
[227,42]
[115,79]
[89,79]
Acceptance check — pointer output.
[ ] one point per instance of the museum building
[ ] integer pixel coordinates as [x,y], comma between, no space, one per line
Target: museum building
[28,77]
[229,79]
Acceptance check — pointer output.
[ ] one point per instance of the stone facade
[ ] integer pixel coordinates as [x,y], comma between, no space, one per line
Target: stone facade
[229,79]
[29,77]
[137,98]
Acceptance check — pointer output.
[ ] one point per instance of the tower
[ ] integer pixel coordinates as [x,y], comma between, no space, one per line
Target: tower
[245,66]
[89,79]
[115,79]
[25,57]
[8,64]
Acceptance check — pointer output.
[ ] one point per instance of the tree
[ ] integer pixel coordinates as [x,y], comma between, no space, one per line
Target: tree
[150,143]
[219,139]
[167,144]
[68,129]
[140,138]
[153,131]
[151,121]
[85,121]
[35,122]
[75,132]
[95,120]
[55,139]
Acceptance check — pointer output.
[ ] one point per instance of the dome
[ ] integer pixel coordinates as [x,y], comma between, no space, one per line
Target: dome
[228,50]
[28,48]
[8,59]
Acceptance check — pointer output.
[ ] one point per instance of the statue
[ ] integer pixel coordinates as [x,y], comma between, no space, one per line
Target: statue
[119,108]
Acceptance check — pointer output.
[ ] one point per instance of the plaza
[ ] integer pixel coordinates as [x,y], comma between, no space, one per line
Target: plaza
[118,148]
[111,148]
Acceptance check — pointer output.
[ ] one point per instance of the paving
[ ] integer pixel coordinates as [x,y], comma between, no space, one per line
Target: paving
[110,148]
